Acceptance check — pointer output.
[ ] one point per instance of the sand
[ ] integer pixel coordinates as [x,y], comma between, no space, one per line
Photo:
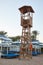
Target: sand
[36,60]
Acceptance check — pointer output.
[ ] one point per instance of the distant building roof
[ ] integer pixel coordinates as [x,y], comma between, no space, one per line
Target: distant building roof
[36,42]
[3,37]
[16,43]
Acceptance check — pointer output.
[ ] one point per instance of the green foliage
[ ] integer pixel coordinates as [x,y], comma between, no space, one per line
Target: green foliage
[15,38]
[3,33]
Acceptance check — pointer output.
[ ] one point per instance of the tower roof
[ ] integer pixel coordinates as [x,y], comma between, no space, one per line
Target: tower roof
[25,9]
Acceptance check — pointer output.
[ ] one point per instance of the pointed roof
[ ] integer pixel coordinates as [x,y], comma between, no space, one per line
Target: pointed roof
[25,9]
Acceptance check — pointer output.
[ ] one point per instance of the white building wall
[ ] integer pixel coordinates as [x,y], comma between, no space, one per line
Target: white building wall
[14,48]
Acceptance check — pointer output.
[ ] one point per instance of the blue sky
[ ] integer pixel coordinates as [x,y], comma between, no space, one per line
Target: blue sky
[10,16]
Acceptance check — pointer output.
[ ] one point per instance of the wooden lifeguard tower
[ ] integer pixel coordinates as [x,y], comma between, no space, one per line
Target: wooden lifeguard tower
[26,23]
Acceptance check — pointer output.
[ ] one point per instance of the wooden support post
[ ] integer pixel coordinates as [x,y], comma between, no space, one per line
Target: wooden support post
[7,49]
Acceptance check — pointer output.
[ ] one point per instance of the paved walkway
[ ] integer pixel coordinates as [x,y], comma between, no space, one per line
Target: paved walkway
[36,60]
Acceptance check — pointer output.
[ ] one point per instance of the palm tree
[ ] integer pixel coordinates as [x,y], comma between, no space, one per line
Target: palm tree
[3,33]
[35,33]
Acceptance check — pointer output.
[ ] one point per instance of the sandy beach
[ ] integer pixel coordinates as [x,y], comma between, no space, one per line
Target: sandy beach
[36,60]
